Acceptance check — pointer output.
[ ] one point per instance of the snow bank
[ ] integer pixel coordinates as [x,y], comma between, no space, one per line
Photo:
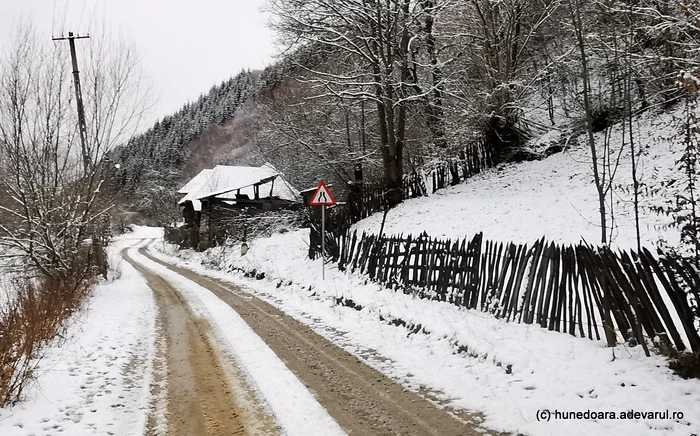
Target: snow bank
[98,382]
[466,359]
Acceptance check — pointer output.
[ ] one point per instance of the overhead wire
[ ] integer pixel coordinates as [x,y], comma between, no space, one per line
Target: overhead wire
[65,17]
[53,19]
[80,21]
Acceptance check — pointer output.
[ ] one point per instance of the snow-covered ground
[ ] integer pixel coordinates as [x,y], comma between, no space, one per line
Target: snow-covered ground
[467,359]
[98,381]
[554,197]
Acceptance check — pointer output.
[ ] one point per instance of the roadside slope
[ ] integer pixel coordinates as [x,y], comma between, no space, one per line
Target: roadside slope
[555,197]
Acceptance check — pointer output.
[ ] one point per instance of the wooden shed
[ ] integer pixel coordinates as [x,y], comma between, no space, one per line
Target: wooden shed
[214,196]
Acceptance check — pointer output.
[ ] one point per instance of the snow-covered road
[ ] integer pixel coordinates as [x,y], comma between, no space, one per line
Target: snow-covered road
[464,359]
[285,362]
[163,350]
[281,392]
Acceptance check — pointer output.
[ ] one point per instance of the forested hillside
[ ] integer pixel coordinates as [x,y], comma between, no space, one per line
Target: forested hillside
[218,128]
[151,164]
[375,90]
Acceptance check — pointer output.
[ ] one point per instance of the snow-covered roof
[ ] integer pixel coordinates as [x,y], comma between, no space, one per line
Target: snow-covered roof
[194,184]
[225,182]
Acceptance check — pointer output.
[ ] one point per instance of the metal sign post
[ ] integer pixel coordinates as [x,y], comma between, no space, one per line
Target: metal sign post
[322,197]
[323,242]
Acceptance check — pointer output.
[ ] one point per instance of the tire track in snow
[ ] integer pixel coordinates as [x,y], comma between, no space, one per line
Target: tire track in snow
[296,410]
[362,400]
[199,400]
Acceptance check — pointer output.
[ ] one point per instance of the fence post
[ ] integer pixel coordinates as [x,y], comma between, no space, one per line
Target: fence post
[323,242]
[607,308]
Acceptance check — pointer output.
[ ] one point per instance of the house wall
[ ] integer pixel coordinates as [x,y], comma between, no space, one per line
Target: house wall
[219,221]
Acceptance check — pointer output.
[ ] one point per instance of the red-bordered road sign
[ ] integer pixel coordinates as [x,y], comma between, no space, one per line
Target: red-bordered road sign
[322,196]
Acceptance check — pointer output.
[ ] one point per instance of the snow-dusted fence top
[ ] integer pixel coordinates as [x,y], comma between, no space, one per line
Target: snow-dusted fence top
[562,288]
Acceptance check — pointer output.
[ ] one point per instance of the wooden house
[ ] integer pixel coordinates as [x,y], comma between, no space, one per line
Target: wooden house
[214,196]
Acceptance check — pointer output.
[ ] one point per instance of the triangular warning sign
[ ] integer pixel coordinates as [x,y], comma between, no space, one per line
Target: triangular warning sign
[322,196]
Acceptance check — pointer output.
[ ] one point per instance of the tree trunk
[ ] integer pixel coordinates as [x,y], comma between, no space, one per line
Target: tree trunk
[435,114]
[576,21]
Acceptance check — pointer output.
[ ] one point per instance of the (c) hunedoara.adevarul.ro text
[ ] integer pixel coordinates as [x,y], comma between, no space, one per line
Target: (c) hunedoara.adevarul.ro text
[548,415]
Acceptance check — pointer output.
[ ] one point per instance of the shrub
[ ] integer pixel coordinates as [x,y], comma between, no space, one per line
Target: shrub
[33,319]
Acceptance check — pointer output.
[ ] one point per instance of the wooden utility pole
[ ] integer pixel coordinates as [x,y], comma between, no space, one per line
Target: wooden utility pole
[78,98]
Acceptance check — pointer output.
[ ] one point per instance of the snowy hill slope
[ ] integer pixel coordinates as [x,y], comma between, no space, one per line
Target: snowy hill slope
[555,197]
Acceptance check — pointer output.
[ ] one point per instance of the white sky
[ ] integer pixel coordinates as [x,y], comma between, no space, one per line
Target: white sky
[186,45]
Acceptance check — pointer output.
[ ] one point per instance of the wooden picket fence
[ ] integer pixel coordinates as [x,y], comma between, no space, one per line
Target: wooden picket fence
[368,198]
[473,159]
[564,288]
[571,288]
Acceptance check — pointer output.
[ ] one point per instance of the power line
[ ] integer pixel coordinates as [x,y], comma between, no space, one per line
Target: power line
[82,11]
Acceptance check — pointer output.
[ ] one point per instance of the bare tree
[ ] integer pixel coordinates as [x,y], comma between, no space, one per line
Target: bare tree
[495,56]
[311,138]
[579,31]
[373,40]
[54,199]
